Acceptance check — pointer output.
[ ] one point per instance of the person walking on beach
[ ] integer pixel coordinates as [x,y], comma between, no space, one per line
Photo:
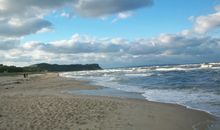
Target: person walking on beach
[25,75]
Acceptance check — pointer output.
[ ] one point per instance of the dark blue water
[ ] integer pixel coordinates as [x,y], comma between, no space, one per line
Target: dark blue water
[195,85]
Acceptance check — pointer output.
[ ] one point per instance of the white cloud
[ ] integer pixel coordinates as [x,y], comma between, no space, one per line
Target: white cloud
[67,15]
[64,14]
[46,29]
[7,44]
[17,28]
[15,22]
[91,8]
[98,8]
[204,24]
[122,15]
[116,51]
[26,17]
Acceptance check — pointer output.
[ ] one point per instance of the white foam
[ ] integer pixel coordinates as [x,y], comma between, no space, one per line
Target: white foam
[206,66]
[198,100]
[195,98]
[139,75]
[187,67]
[218,63]
[171,69]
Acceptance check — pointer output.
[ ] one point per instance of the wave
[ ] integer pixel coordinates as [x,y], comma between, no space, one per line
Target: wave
[189,67]
[139,75]
[218,63]
[148,69]
[171,69]
[194,85]
[206,66]
[200,100]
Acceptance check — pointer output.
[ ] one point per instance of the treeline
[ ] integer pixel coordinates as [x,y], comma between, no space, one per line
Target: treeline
[48,67]
[10,69]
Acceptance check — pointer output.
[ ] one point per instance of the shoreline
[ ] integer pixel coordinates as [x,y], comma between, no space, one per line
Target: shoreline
[216,118]
[144,98]
[125,113]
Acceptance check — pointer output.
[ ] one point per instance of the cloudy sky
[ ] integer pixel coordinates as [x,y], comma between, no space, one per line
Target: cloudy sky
[109,32]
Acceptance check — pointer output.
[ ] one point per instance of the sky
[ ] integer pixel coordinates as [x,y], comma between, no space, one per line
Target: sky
[112,33]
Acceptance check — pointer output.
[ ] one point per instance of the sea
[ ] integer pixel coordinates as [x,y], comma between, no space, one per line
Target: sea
[196,86]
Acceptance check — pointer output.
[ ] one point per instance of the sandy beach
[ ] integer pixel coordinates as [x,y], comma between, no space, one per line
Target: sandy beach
[39,103]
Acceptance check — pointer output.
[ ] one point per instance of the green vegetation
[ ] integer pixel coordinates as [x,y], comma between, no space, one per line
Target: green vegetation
[10,69]
[44,67]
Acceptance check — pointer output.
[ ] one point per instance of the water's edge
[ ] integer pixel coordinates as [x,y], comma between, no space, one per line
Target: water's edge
[109,92]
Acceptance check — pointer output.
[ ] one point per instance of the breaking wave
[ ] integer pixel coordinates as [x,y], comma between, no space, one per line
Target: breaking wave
[193,85]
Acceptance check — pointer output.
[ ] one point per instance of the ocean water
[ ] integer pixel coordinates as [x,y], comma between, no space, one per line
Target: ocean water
[193,85]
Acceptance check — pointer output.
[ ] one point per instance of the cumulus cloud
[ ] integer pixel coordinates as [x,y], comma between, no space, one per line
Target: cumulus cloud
[17,28]
[80,44]
[98,8]
[206,23]
[92,8]
[7,44]
[27,16]
[117,51]
[10,8]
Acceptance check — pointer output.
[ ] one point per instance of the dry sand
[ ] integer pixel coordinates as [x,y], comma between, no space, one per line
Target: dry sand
[38,103]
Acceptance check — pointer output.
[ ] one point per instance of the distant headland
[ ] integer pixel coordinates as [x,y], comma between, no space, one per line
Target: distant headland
[42,67]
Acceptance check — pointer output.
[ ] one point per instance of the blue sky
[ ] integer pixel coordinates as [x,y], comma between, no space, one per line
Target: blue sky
[112,33]
[162,17]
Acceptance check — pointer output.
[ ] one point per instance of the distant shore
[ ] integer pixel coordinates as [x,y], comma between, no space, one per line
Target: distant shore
[39,102]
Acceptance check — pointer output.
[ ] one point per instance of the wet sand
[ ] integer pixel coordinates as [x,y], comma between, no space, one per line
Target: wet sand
[40,103]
